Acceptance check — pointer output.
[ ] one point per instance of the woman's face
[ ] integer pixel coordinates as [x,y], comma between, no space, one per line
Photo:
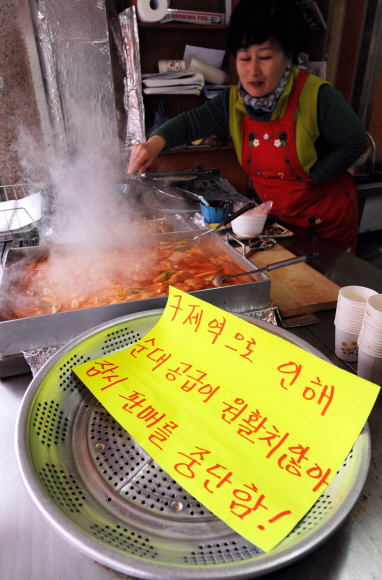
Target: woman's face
[261,66]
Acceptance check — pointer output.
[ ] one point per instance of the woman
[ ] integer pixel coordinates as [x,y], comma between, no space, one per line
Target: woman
[294,134]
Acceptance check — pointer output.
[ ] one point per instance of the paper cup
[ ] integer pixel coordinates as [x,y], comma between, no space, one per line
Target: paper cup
[347,321]
[351,306]
[369,367]
[356,296]
[370,342]
[370,332]
[346,345]
[348,324]
[357,309]
[349,318]
[374,307]
[370,336]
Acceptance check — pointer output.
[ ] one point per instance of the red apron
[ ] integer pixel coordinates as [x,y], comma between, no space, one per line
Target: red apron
[270,158]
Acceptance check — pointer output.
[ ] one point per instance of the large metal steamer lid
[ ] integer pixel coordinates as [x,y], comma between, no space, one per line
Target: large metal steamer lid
[107,497]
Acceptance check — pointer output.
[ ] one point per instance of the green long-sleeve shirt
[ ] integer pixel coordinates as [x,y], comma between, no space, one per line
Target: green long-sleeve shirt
[341,142]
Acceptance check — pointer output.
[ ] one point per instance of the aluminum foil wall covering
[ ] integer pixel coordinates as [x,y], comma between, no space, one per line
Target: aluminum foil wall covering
[133,101]
[76,63]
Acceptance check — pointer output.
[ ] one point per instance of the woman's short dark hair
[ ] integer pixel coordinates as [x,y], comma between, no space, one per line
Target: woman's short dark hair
[255,21]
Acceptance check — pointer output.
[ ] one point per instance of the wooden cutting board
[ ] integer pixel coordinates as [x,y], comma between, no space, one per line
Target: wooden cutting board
[297,289]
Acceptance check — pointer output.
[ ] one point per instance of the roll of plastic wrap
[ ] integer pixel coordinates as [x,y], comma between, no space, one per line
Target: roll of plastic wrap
[166,65]
[151,10]
[212,75]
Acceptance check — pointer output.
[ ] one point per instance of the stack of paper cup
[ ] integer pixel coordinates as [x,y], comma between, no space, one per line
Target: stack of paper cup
[350,311]
[370,341]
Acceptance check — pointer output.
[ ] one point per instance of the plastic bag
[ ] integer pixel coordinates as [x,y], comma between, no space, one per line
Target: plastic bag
[262,209]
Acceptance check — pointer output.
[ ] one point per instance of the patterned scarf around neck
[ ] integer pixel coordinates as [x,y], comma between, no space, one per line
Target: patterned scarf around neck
[266,104]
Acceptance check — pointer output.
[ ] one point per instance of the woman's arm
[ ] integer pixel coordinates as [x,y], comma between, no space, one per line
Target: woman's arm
[144,154]
[209,119]
[343,138]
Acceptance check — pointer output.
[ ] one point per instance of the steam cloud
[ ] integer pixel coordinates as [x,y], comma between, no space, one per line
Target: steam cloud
[85,205]
[88,217]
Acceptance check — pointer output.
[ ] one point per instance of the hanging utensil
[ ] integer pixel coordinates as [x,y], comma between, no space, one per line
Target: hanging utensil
[228,219]
[190,195]
[218,280]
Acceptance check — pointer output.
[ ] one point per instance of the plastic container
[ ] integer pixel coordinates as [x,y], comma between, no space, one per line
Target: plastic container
[218,210]
[248,225]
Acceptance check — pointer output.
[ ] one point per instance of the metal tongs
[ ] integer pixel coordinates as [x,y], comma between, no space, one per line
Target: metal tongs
[228,219]
[184,194]
[258,244]
[218,280]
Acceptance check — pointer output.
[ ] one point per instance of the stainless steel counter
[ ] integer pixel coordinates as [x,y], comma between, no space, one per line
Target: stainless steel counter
[32,550]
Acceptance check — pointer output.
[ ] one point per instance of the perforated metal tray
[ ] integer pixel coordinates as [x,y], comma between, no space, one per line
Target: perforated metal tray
[108,498]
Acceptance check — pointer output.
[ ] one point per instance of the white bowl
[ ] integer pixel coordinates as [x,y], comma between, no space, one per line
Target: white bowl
[248,225]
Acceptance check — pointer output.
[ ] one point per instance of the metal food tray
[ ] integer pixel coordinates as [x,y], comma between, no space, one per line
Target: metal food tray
[57,329]
[180,223]
[106,496]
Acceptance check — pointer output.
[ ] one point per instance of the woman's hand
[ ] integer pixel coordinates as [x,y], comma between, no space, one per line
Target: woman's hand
[144,154]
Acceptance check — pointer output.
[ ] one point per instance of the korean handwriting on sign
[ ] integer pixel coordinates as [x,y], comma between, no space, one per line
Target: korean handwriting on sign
[244,501]
[193,380]
[153,355]
[251,422]
[136,403]
[107,371]
[192,314]
[293,370]
[190,378]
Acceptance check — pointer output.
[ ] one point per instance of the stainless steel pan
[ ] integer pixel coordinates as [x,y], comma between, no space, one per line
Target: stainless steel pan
[57,329]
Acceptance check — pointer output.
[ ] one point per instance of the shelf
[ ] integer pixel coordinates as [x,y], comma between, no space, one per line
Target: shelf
[176,26]
[228,147]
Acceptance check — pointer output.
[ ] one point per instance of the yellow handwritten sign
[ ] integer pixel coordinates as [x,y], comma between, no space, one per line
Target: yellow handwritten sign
[251,425]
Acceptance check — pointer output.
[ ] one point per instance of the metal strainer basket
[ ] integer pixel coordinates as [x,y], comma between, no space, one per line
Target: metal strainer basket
[106,496]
